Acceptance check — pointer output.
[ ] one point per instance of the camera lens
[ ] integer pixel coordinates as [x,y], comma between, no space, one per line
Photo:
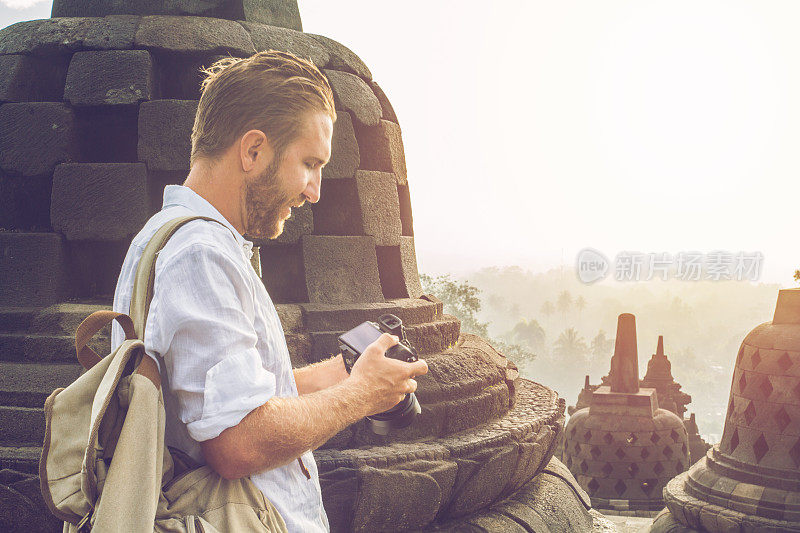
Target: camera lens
[398,417]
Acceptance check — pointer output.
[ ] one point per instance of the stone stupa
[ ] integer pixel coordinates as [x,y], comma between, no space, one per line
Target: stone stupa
[623,448]
[750,481]
[97,109]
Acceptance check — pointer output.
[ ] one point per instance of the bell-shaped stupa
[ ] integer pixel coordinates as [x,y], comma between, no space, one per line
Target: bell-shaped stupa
[750,481]
[623,448]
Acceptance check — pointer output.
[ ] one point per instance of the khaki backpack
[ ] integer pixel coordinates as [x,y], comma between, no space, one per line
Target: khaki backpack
[104,465]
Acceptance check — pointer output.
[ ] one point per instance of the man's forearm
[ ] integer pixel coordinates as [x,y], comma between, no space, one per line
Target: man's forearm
[321,375]
[282,429]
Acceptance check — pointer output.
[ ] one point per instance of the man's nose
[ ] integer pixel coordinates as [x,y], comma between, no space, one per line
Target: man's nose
[313,191]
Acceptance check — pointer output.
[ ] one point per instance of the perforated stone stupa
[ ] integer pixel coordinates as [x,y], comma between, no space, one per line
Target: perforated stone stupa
[623,448]
[750,481]
[97,109]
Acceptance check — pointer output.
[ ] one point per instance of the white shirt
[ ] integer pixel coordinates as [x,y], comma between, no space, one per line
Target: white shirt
[216,336]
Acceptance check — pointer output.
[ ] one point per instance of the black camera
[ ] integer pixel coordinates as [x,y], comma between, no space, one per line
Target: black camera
[354,342]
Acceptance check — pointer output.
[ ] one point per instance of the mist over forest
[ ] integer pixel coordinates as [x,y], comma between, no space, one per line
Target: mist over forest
[557,329]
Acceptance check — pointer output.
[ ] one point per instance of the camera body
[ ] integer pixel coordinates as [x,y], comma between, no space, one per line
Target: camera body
[353,343]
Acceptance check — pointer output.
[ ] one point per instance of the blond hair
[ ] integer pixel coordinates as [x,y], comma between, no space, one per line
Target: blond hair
[268,91]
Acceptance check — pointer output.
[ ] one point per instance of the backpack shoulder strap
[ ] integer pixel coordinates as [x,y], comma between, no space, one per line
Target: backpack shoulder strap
[146,270]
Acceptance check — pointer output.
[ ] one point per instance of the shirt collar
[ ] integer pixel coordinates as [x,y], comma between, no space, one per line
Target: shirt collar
[178,195]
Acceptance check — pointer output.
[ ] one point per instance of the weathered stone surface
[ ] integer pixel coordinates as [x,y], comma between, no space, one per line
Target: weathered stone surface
[300,223]
[32,268]
[283,13]
[35,137]
[24,202]
[342,58]
[406,218]
[165,134]
[114,32]
[381,148]
[426,495]
[398,270]
[380,207]
[31,79]
[283,274]
[193,35]
[340,494]
[338,211]
[345,153]
[45,36]
[331,265]
[94,267]
[99,201]
[109,77]
[326,317]
[387,111]
[352,94]
[298,43]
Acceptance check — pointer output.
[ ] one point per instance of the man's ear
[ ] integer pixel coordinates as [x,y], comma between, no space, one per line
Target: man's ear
[255,151]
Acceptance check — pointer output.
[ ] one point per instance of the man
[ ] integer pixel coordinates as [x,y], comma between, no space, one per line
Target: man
[261,136]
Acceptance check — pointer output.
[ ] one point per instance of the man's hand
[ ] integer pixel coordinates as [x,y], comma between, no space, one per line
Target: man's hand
[385,381]
[282,429]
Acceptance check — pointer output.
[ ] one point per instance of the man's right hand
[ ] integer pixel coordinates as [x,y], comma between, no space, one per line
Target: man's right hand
[383,380]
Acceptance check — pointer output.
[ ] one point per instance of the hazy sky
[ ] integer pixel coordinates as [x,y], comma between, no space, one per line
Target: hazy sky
[533,129]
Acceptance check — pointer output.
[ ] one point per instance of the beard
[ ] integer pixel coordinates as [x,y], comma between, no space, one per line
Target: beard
[265,202]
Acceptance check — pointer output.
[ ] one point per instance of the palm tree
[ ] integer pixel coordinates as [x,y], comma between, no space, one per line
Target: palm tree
[563,303]
[580,303]
[530,333]
[571,345]
[547,308]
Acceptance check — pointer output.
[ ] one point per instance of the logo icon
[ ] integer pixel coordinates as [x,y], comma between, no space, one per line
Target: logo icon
[591,266]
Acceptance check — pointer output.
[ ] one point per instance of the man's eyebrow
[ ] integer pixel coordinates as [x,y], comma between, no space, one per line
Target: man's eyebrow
[320,161]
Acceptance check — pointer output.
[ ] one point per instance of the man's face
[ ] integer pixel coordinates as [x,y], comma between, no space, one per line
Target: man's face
[291,179]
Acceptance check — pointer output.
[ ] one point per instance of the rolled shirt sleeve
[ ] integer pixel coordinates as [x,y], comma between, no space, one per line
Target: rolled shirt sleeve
[201,324]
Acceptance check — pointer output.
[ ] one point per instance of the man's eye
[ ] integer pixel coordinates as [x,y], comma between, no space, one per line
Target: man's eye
[311,166]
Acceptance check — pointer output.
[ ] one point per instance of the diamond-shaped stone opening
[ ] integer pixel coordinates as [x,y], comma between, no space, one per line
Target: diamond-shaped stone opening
[572,431]
[607,469]
[648,485]
[620,453]
[620,487]
[742,382]
[683,449]
[658,468]
[654,438]
[796,391]
[631,438]
[734,440]
[595,451]
[607,438]
[760,448]
[577,448]
[679,467]
[633,469]
[645,454]
[765,387]
[755,359]
[783,419]
[730,409]
[784,362]
[667,452]
[750,413]
[675,436]
[593,485]
[569,461]
[587,435]
[794,453]
[583,466]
